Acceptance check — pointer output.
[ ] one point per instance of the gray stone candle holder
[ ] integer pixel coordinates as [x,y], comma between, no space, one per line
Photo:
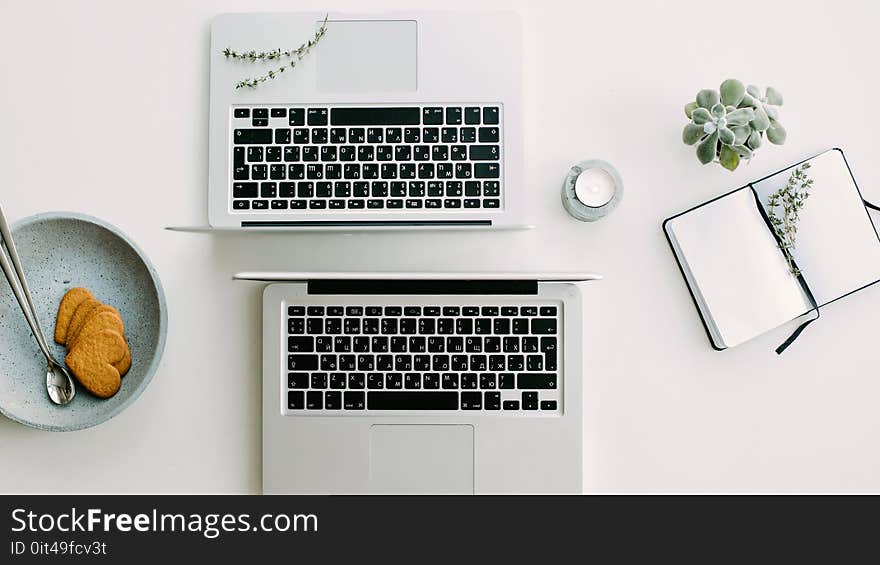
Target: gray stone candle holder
[578,209]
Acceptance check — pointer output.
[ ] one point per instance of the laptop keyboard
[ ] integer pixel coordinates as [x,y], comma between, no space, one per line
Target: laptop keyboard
[352,359]
[366,158]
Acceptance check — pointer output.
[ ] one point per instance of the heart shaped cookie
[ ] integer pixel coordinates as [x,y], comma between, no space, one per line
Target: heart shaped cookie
[104,319]
[72,299]
[92,362]
[80,315]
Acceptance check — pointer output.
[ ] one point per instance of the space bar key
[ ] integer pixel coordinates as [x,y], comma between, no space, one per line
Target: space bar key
[366,116]
[385,400]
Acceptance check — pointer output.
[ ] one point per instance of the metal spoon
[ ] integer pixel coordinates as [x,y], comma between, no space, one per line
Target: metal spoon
[59,384]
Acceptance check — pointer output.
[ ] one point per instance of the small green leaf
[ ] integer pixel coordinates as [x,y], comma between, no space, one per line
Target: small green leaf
[701,116]
[689,108]
[707,148]
[741,133]
[732,92]
[741,116]
[743,151]
[754,140]
[776,133]
[707,98]
[718,110]
[729,158]
[726,136]
[760,122]
[774,96]
[692,133]
[754,91]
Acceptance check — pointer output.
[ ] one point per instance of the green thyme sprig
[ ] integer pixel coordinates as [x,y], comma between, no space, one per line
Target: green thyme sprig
[789,200]
[274,55]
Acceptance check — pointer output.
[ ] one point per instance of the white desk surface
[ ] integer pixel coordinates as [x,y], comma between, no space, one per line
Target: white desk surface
[105,111]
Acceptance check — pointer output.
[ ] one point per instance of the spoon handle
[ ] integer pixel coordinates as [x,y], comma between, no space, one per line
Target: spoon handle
[18,283]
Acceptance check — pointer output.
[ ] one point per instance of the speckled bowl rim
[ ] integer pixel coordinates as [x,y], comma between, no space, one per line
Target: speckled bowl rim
[163,319]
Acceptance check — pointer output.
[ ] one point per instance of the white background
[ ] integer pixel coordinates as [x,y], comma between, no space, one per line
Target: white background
[104,110]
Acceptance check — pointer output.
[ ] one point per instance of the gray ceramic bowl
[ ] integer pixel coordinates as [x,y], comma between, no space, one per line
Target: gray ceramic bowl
[60,251]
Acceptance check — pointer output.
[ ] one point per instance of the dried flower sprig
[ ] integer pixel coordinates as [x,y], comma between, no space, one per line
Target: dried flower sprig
[274,55]
[790,199]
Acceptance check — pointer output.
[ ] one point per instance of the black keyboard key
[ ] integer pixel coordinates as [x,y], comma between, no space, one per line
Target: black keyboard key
[393,135]
[548,405]
[468,381]
[453,116]
[485,152]
[375,381]
[487,380]
[337,381]
[449,135]
[374,116]
[449,380]
[354,400]
[278,112]
[356,380]
[487,135]
[319,380]
[511,404]
[432,116]
[244,190]
[255,154]
[296,400]
[490,115]
[242,113]
[472,116]
[492,401]
[394,381]
[548,310]
[332,400]
[530,400]
[297,117]
[536,381]
[412,135]
[431,135]
[375,135]
[487,170]
[432,381]
[544,326]
[404,400]
[535,362]
[297,380]
[491,188]
[471,401]
[282,136]
[300,344]
[261,204]
[252,136]
[452,203]
[412,381]
[317,116]
[337,135]
[506,381]
[268,189]
[315,400]
[300,362]
[261,112]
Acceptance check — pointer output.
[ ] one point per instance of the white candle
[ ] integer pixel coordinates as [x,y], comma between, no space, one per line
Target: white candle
[594,187]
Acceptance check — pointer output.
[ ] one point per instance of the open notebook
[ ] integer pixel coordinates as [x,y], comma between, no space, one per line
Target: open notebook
[736,271]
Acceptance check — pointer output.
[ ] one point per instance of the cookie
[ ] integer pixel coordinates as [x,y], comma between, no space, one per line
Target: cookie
[80,315]
[104,318]
[99,318]
[92,362]
[72,299]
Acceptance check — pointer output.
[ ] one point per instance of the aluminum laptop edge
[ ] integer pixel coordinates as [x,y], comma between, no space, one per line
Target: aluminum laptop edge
[400,59]
[431,451]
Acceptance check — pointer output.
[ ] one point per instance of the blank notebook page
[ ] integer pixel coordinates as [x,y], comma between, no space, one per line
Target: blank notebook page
[740,272]
[837,247]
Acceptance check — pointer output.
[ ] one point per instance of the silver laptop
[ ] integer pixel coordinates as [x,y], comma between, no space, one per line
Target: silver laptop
[392,120]
[421,383]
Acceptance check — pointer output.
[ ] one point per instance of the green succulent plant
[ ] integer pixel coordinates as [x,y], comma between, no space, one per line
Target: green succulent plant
[729,124]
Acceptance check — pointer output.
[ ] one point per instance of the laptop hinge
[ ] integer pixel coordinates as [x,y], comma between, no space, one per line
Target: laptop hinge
[362,223]
[397,286]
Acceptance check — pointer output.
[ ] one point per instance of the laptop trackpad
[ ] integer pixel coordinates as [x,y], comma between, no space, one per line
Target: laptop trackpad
[368,56]
[424,459]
